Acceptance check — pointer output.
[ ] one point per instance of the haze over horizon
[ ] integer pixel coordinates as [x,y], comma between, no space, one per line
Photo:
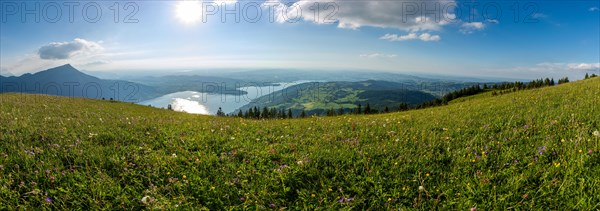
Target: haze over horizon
[484,38]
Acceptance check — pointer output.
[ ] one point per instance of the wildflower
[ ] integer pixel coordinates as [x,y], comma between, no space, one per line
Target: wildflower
[590,151]
[473,209]
[48,200]
[272,206]
[184,177]
[242,199]
[421,188]
[312,195]
[343,200]
[427,174]
[596,133]
[174,155]
[146,200]
[525,196]
[557,165]
[580,151]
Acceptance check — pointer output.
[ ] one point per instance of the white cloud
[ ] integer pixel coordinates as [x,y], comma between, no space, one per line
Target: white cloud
[584,66]
[469,28]
[378,55]
[592,9]
[411,36]
[539,15]
[561,67]
[404,15]
[67,50]
[493,21]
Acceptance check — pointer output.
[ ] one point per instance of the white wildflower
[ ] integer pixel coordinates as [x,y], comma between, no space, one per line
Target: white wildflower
[147,200]
[596,133]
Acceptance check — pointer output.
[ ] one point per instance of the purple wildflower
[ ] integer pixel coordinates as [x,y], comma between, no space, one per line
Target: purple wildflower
[48,200]
[343,200]
[272,206]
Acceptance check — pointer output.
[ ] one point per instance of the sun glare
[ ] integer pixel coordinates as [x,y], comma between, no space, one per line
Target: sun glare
[189,11]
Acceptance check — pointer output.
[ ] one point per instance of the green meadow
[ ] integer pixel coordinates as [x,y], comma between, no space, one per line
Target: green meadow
[532,149]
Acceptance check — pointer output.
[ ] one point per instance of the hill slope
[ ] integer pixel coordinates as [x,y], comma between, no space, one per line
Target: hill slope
[527,150]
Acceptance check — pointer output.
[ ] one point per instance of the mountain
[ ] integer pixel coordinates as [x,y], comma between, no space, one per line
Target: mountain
[68,81]
[318,97]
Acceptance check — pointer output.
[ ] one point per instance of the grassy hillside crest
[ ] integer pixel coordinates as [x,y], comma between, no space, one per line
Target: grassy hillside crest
[532,149]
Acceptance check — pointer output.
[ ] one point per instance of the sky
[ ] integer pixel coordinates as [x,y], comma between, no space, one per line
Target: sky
[510,39]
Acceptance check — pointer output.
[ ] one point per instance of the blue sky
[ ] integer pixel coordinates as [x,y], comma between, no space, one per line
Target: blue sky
[470,38]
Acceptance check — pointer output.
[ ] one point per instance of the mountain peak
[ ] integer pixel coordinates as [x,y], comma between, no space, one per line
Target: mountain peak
[64,72]
[66,67]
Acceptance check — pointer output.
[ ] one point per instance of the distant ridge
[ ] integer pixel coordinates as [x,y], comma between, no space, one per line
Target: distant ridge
[66,80]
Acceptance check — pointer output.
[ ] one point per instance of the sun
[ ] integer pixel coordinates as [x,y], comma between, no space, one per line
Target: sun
[189,11]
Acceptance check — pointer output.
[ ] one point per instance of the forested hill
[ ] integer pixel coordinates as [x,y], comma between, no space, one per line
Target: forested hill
[319,97]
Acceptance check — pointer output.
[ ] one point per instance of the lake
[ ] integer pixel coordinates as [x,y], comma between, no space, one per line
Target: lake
[209,103]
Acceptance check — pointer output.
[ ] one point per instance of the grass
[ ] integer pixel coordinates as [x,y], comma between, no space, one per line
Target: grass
[531,149]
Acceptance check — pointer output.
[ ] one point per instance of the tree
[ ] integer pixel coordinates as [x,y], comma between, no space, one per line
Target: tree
[563,80]
[586,76]
[331,112]
[341,111]
[303,114]
[256,112]
[368,109]
[240,114]
[386,110]
[265,113]
[220,112]
[403,107]
[168,106]
[359,109]
[289,113]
